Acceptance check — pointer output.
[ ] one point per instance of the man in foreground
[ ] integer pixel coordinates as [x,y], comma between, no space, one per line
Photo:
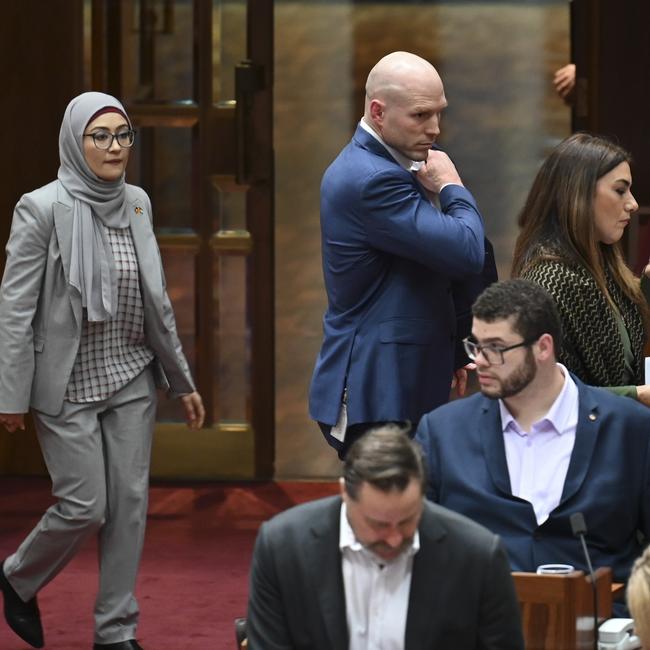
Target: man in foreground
[380,562]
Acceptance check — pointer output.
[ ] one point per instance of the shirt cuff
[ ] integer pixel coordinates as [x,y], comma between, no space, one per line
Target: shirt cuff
[442,187]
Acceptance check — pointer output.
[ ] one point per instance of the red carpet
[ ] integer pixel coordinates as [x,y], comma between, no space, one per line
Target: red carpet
[194,571]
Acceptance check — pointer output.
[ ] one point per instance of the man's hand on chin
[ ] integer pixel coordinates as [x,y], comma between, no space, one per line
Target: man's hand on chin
[438,171]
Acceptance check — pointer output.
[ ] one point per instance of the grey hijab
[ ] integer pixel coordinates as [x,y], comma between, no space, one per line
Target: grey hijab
[96,202]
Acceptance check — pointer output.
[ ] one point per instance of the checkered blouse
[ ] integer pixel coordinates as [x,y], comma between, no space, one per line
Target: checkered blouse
[113,352]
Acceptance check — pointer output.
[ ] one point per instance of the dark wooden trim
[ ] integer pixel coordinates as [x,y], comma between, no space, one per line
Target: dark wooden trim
[113,48]
[98,45]
[202,142]
[612,55]
[172,114]
[41,59]
[261,224]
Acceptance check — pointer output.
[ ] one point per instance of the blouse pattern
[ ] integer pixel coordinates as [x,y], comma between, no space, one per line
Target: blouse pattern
[592,347]
[113,352]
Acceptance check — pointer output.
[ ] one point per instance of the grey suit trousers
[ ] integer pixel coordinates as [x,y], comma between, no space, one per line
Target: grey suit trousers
[98,457]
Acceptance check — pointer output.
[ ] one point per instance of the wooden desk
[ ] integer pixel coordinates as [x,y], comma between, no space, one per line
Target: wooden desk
[557,610]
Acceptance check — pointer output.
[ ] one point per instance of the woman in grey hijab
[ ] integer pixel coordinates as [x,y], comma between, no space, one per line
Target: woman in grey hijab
[87,332]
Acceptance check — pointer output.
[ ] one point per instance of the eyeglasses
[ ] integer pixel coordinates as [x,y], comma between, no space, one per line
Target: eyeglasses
[493,354]
[104,139]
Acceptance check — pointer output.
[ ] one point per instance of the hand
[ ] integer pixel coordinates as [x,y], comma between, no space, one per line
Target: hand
[564,80]
[438,170]
[643,394]
[459,380]
[12,421]
[194,411]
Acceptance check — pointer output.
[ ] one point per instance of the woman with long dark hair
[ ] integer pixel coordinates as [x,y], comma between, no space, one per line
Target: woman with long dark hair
[571,226]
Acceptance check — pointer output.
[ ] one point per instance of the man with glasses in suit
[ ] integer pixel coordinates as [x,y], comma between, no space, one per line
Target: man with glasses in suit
[536,445]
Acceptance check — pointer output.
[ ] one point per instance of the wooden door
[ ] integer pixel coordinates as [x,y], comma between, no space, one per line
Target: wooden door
[612,54]
[196,79]
[41,65]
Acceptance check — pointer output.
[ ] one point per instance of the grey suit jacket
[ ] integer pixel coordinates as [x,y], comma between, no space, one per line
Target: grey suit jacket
[41,315]
[462,595]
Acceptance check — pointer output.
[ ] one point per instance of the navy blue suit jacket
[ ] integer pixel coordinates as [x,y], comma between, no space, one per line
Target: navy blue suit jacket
[608,480]
[399,273]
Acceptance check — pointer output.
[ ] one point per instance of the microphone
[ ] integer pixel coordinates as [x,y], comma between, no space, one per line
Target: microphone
[579,529]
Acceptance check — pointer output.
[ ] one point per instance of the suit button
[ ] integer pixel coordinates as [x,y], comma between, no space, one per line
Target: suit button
[537,536]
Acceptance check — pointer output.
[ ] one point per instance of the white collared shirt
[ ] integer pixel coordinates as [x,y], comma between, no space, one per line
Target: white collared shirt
[407,163]
[376,592]
[538,460]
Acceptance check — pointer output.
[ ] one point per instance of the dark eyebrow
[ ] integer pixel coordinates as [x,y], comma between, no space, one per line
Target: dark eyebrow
[489,341]
[624,181]
[107,130]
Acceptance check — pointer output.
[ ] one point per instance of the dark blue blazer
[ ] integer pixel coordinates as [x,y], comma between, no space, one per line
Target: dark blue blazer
[608,480]
[399,273]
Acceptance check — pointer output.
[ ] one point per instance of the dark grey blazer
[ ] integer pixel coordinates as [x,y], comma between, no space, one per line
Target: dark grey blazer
[41,317]
[462,595]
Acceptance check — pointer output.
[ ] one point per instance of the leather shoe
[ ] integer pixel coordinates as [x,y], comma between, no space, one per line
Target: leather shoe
[131,644]
[22,617]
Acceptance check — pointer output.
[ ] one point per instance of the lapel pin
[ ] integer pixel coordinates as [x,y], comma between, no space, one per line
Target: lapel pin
[138,210]
[592,417]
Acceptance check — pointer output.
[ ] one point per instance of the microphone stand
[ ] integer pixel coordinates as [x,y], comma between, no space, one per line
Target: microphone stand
[579,528]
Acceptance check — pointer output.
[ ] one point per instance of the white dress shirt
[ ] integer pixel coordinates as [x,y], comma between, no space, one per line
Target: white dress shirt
[407,163]
[376,592]
[538,460]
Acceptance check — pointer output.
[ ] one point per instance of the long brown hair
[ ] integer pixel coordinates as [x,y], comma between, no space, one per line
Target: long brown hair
[557,220]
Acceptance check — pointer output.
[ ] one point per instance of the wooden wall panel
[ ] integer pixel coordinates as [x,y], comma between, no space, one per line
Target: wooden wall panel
[611,50]
[41,59]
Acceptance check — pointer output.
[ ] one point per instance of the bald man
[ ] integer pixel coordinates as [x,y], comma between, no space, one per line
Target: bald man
[401,273]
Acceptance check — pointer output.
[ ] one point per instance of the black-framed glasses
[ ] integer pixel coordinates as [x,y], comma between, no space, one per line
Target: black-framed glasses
[104,139]
[493,354]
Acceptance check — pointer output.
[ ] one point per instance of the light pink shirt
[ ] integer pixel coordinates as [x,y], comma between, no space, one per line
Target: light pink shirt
[538,459]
